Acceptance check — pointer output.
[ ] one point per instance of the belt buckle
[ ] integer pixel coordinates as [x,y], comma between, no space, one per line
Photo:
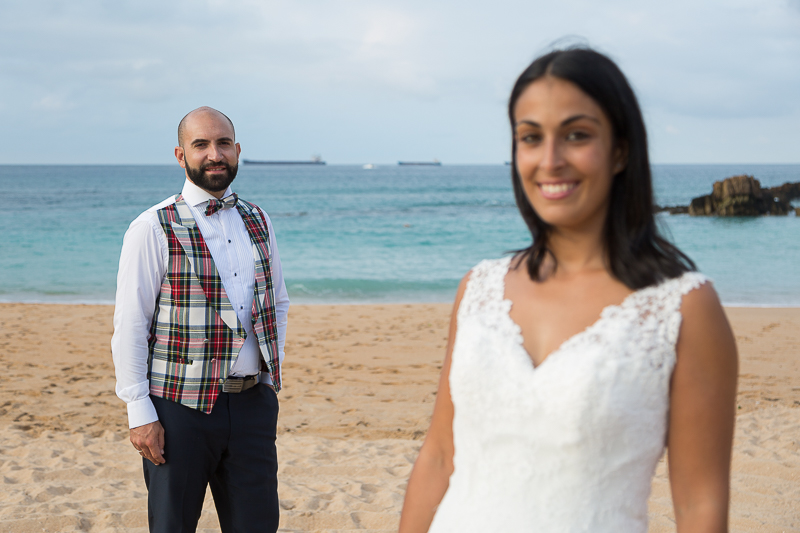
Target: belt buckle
[233,385]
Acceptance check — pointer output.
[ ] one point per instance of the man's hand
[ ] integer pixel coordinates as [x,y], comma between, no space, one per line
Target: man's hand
[149,441]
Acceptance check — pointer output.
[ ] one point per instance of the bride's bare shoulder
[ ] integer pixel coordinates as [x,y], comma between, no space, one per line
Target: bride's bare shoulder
[705,330]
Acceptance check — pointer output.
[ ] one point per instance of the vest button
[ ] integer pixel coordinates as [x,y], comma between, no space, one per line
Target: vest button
[205,341]
[221,381]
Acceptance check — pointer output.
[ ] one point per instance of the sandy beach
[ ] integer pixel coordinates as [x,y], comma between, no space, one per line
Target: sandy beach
[359,385]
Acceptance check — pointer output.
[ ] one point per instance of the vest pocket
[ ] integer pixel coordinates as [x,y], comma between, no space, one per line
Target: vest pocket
[170,357]
[183,352]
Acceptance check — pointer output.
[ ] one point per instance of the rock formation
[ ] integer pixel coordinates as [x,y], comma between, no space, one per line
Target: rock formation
[786,192]
[742,196]
[673,209]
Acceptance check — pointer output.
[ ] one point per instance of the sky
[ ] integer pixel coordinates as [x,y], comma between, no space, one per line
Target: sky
[372,81]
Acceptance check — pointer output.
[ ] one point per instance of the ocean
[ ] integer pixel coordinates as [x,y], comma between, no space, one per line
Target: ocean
[350,235]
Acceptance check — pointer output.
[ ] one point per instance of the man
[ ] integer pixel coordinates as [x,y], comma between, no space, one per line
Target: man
[199,331]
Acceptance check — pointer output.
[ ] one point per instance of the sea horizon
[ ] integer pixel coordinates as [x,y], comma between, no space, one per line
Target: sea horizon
[358,164]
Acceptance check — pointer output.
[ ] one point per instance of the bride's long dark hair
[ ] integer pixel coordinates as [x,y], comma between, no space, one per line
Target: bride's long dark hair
[638,254]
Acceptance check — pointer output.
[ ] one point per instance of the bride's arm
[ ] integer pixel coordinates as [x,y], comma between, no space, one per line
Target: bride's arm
[431,474]
[702,411]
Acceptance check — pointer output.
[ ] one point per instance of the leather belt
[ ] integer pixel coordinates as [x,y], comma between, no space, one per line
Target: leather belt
[234,384]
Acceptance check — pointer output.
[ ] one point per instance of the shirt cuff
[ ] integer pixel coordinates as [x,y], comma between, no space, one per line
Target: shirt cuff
[141,412]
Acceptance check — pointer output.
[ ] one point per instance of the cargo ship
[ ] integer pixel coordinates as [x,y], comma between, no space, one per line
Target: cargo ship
[434,163]
[316,160]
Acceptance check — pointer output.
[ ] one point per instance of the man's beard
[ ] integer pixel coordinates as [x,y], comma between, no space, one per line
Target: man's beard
[212,183]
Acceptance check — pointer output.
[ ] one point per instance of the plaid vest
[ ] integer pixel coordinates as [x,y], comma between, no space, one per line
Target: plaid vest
[195,335]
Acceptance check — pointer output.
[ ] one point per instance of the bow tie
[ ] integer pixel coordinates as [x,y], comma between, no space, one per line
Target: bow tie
[215,205]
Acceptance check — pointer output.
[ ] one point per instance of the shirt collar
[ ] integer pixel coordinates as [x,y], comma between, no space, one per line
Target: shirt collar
[194,195]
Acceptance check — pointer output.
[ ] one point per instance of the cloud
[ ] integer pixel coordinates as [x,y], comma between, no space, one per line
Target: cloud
[718,60]
[53,102]
[425,71]
[697,58]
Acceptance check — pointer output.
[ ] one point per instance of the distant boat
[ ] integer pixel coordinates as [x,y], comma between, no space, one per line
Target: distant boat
[369,166]
[315,160]
[434,163]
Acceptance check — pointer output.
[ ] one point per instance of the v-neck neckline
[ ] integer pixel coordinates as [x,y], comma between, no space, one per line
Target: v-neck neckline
[520,339]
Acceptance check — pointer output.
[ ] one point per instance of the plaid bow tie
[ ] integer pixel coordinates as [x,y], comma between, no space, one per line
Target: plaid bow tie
[215,205]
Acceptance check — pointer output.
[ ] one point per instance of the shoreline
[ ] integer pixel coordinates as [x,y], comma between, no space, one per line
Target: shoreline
[300,302]
[359,386]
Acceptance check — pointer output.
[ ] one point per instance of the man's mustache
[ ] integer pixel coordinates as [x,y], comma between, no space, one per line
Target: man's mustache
[220,164]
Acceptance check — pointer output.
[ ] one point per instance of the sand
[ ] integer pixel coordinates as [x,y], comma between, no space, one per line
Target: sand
[359,389]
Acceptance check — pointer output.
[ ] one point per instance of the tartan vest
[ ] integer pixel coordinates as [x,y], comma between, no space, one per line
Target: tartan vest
[196,335]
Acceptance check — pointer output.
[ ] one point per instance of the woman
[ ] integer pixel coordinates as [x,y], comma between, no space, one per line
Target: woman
[571,365]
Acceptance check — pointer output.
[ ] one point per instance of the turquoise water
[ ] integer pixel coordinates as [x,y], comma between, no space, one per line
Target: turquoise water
[393,234]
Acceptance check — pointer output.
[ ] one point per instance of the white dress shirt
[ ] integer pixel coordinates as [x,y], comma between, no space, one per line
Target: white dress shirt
[142,267]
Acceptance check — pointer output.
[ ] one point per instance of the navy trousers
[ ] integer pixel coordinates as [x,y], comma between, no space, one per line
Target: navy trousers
[232,449]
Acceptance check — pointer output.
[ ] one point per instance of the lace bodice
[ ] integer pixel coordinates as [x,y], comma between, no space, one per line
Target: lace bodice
[571,444]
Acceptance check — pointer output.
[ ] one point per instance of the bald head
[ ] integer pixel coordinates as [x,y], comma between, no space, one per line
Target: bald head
[200,110]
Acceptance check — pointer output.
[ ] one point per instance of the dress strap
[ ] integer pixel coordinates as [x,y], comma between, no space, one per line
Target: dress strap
[665,300]
[485,287]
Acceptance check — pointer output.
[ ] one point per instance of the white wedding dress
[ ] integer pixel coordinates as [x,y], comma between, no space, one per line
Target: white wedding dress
[570,445]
